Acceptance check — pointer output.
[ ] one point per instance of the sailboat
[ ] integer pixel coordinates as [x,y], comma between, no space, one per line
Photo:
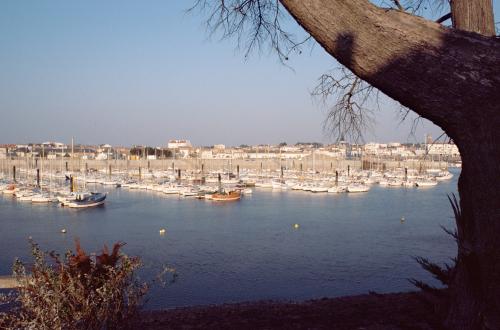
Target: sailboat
[43,197]
[224,196]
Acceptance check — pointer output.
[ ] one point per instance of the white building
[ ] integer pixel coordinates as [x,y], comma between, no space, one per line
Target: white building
[207,154]
[261,155]
[290,149]
[184,152]
[54,144]
[333,152]
[101,156]
[445,149]
[176,144]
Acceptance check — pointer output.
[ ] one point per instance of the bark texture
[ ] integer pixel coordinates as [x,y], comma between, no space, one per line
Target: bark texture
[473,15]
[477,261]
[451,77]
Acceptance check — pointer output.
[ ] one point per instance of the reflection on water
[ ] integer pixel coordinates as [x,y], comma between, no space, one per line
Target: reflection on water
[250,250]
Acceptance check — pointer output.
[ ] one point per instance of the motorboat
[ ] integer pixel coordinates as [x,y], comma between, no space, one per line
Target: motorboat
[442,176]
[425,183]
[409,184]
[246,191]
[172,190]
[11,189]
[264,184]
[279,185]
[337,189]
[230,181]
[395,183]
[26,196]
[189,192]
[111,183]
[92,200]
[355,188]
[318,189]
[43,198]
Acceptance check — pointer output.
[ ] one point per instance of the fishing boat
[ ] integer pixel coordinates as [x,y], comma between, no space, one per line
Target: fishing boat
[92,200]
[226,196]
[67,198]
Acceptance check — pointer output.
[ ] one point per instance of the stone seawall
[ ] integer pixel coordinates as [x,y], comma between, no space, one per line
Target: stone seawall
[320,163]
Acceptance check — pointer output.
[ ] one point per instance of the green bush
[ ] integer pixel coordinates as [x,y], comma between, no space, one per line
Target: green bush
[77,291]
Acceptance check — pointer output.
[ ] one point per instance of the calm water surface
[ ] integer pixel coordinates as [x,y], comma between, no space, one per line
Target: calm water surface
[346,244]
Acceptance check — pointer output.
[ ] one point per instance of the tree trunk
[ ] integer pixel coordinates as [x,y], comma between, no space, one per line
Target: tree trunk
[452,78]
[473,15]
[475,290]
[478,257]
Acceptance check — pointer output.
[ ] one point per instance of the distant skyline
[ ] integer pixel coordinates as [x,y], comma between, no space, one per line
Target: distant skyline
[126,72]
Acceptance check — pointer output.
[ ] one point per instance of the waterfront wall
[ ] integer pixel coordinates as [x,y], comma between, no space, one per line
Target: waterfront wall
[320,163]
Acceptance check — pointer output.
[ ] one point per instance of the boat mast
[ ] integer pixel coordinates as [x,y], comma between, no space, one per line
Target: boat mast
[72,156]
[41,168]
[50,177]
[62,158]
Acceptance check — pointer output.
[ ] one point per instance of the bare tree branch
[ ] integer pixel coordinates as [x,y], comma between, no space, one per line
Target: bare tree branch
[256,24]
[398,5]
[443,18]
[349,115]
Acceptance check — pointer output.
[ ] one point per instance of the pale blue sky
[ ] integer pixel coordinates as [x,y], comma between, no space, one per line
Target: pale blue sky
[143,72]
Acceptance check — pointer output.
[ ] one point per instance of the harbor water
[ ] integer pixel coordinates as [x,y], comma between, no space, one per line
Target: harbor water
[250,250]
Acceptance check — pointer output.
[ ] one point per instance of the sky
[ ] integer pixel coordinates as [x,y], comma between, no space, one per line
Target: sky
[141,73]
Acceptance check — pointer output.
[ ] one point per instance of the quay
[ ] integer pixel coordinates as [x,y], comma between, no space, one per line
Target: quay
[8,282]
[320,164]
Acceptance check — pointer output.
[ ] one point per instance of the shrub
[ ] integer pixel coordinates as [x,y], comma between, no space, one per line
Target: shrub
[77,291]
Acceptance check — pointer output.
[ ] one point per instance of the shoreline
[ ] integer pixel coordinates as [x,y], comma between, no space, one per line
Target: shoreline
[406,310]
